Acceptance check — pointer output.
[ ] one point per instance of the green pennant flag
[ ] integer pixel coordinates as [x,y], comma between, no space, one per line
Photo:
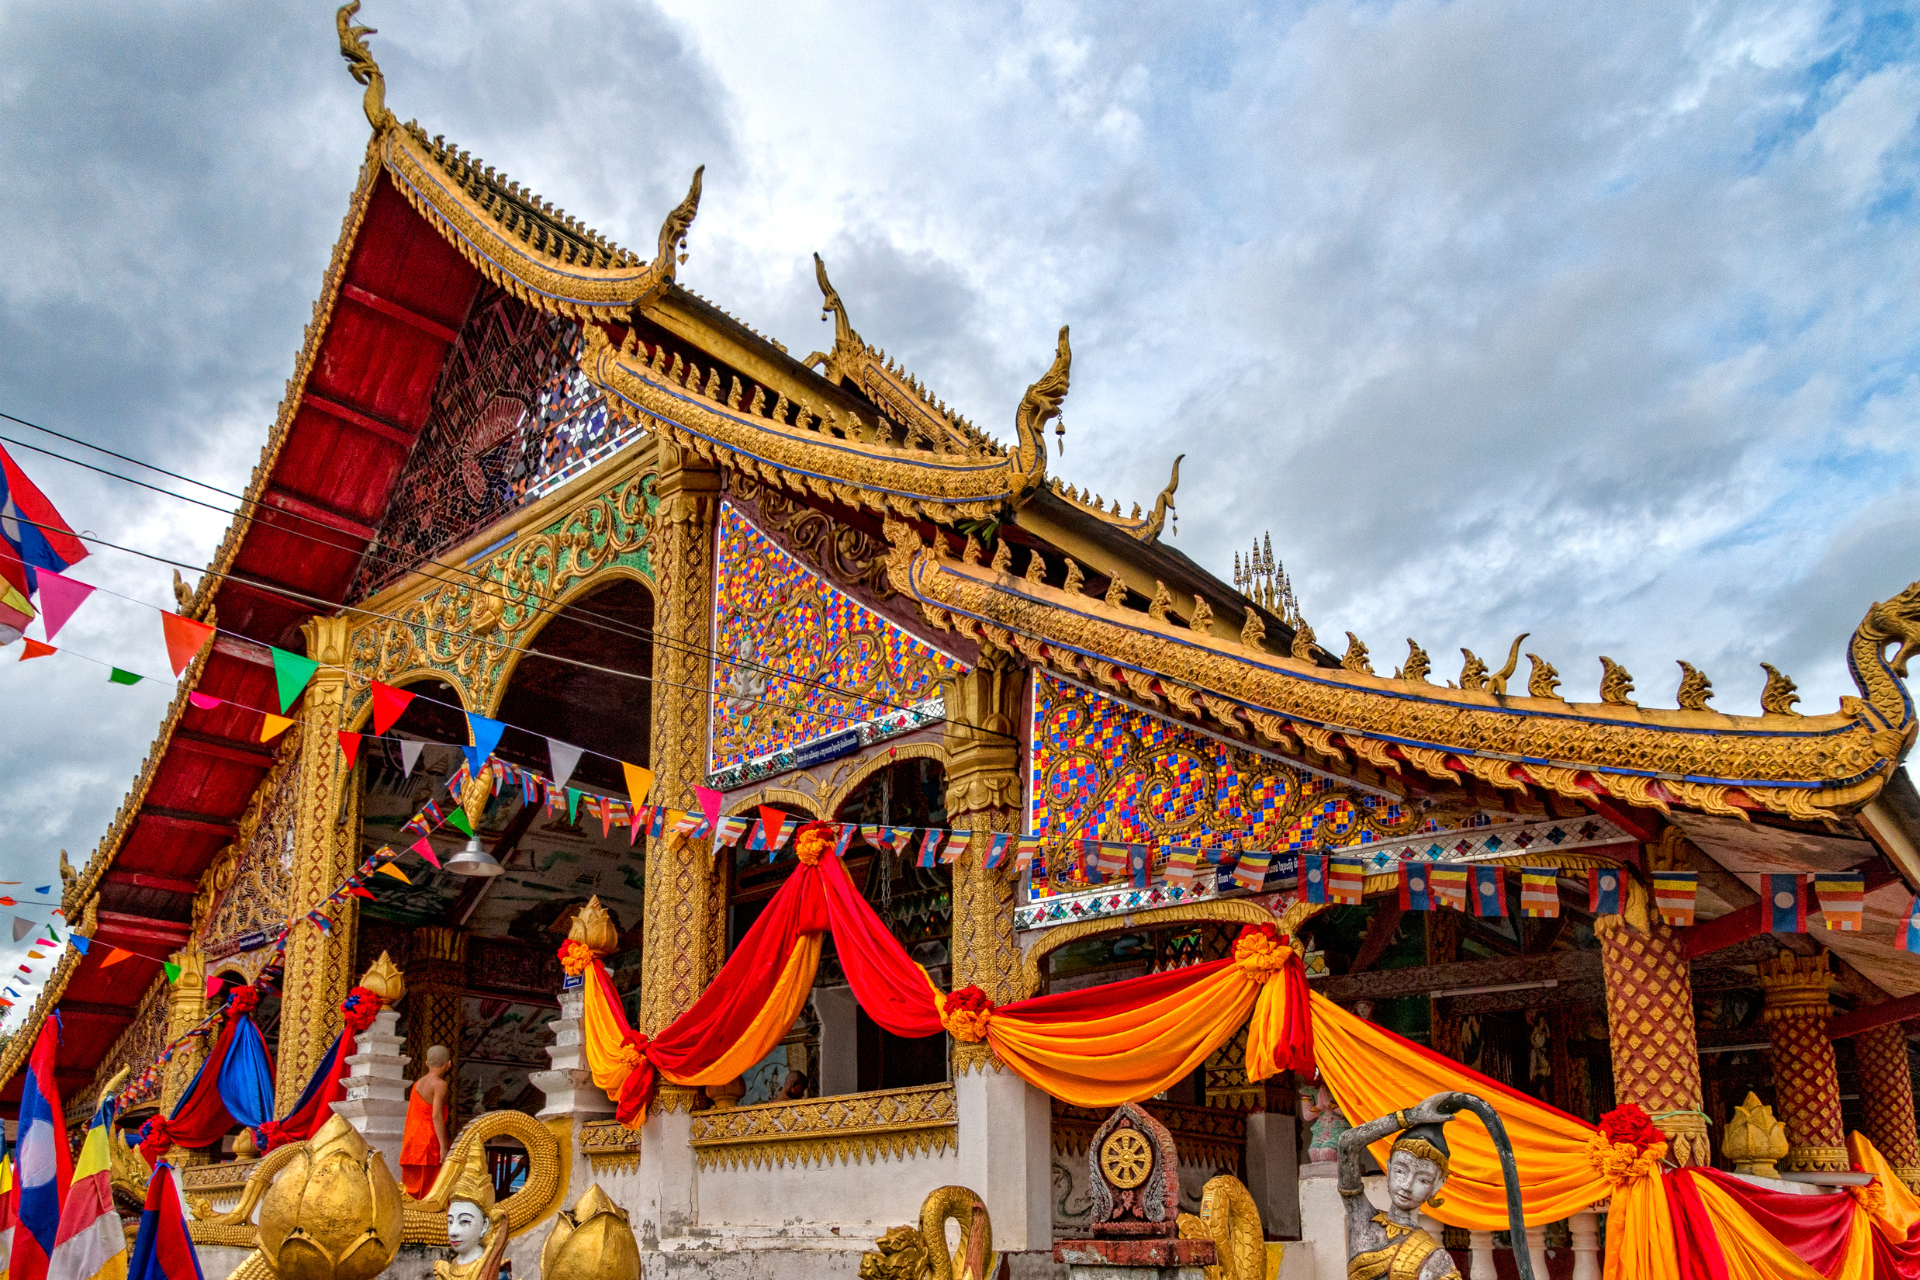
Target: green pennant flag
[573,804]
[173,970]
[291,672]
[123,677]
[458,818]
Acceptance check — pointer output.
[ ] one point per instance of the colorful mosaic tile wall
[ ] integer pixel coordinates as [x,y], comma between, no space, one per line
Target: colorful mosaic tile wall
[1109,771]
[795,627]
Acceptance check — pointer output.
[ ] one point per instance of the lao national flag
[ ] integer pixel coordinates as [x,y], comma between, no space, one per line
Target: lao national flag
[91,1244]
[1910,936]
[6,1206]
[32,537]
[997,842]
[42,1165]
[1413,888]
[1489,891]
[1603,891]
[930,847]
[1786,895]
[163,1250]
[1313,877]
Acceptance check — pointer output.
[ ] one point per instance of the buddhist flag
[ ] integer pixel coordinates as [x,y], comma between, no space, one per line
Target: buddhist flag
[1489,891]
[1910,936]
[1449,886]
[1786,898]
[1251,871]
[1603,891]
[1346,880]
[1540,891]
[1182,862]
[163,1249]
[727,832]
[1313,878]
[1673,896]
[185,638]
[91,1244]
[1414,895]
[1843,898]
[1113,858]
[958,842]
[1030,848]
[692,825]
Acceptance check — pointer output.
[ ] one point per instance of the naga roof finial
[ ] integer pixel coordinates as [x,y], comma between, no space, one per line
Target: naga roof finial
[845,341]
[673,232]
[1150,532]
[1041,403]
[361,66]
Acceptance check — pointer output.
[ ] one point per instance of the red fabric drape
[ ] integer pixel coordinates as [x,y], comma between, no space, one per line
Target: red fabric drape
[893,990]
[1693,1234]
[200,1117]
[1815,1228]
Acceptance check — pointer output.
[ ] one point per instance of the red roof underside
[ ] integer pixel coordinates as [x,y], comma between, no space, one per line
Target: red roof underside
[403,298]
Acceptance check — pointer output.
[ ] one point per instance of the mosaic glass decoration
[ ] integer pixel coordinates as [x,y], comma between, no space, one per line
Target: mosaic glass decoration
[1105,770]
[797,660]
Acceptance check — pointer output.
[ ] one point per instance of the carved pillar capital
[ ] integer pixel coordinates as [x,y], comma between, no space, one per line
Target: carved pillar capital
[1805,1076]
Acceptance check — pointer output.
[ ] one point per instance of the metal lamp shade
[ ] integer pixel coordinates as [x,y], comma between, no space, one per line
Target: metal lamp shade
[474,860]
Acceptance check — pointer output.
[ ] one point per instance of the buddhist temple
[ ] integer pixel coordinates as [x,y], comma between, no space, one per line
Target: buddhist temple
[606,599]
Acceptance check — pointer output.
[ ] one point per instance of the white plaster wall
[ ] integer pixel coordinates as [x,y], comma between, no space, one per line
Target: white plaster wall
[862,1198]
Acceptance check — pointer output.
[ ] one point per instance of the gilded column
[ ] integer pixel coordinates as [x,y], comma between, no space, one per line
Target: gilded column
[1886,1098]
[436,986]
[1806,1082]
[1650,1029]
[186,1005]
[983,794]
[326,840]
[685,907]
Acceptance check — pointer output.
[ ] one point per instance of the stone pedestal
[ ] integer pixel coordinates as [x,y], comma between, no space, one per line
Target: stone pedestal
[1273,1171]
[376,1101]
[1135,1259]
[568,1084]
[1805,1077]
[1006,1128]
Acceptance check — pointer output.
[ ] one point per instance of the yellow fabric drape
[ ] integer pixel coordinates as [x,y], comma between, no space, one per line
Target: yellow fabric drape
[1752,1253]
[773,1023]
[1892,1205]
[606,1049]
[1372,1074]
[1640,1241]
[1130,1054]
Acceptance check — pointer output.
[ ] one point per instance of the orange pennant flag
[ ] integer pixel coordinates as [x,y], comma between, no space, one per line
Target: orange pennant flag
[7,902]
[274,726]
[639,782]
[115,956]
[185,638]
[394,871]
[35,955]
[35,649]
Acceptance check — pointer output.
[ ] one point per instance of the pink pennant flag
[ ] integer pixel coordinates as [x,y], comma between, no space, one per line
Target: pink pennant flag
[424,848]
[204,701]
[710,802]
[59,597]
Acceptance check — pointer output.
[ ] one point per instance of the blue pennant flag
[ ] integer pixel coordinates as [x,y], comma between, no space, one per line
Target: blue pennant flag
[486,736]
[1910,939]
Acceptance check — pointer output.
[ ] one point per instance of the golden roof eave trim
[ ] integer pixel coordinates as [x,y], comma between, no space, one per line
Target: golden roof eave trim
[1804,766]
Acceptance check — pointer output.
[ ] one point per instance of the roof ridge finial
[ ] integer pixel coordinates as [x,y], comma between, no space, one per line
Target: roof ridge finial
[673,232]
[362,67]
[847,344]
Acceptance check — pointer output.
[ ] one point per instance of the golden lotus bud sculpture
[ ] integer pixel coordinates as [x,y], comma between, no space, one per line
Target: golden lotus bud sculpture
[594,928]
[475,795]
[1754,1139]
[592,1241]
[385,980]
[334,1211]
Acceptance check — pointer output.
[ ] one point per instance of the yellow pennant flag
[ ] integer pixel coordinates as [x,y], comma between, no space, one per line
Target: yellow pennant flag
[394,871]
[639,782]
[274,726]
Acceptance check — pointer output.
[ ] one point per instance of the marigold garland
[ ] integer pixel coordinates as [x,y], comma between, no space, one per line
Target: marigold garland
[1629,1146]
[1260,953]
[965,1013]
[814,842]
[575,956]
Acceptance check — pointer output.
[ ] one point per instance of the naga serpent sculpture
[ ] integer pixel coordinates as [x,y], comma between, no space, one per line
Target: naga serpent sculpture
[920,1253]
[1230,1219]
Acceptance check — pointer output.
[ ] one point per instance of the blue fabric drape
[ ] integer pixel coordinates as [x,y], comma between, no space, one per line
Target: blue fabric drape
[246,1076]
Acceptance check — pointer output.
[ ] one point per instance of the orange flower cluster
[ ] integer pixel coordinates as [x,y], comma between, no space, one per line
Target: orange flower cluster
[575,957]
[965,1014]
[814,842]
[1620,1162]
[1260,953]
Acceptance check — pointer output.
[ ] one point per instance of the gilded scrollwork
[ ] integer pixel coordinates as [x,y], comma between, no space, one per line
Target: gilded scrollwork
[850,1128]
[465,628]
[246,887]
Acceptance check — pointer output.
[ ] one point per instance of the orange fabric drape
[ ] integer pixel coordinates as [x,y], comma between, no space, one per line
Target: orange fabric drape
[1752,1252]
[774,1021]
[1640,1239]
[1374,1072]
[603,1027]
[1894,1208]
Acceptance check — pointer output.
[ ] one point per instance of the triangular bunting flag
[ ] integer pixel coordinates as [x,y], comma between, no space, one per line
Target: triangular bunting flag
[486,736]
[639,781]
[117,676]
[424,848]
[34,649]
[21,928]
[204,701]
[291,673]
[573,804]
[710,802]
[388,703]
[80,944]
[394,871]
[115,955]
[185,638]
[173,970]
[410,755]
[565,758]
[35,955]
[350,747]
[458,819]
[59,597]
[272,726]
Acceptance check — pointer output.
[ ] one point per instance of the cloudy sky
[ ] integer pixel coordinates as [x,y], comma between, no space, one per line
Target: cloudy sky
[1591,320]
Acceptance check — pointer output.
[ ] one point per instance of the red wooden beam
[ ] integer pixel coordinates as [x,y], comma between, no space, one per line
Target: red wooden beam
[88,1009]
[182,820]
[389,431]
[1751,921]
[307,509]
[212,744]
[405,315]
[118,924]
[1867,1017]
[278,595]
[147,880]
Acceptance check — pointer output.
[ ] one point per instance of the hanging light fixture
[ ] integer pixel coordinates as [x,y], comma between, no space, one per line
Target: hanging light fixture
[474,860]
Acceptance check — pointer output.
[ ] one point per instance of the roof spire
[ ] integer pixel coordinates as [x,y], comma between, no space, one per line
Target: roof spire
[362,67]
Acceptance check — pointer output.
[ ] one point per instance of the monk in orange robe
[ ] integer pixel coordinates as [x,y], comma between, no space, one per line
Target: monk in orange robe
[424,1144]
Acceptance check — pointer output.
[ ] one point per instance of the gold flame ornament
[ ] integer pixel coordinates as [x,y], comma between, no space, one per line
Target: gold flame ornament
[594,928]
[475,795]
[592,1241]
[334,1211]
[385,980]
